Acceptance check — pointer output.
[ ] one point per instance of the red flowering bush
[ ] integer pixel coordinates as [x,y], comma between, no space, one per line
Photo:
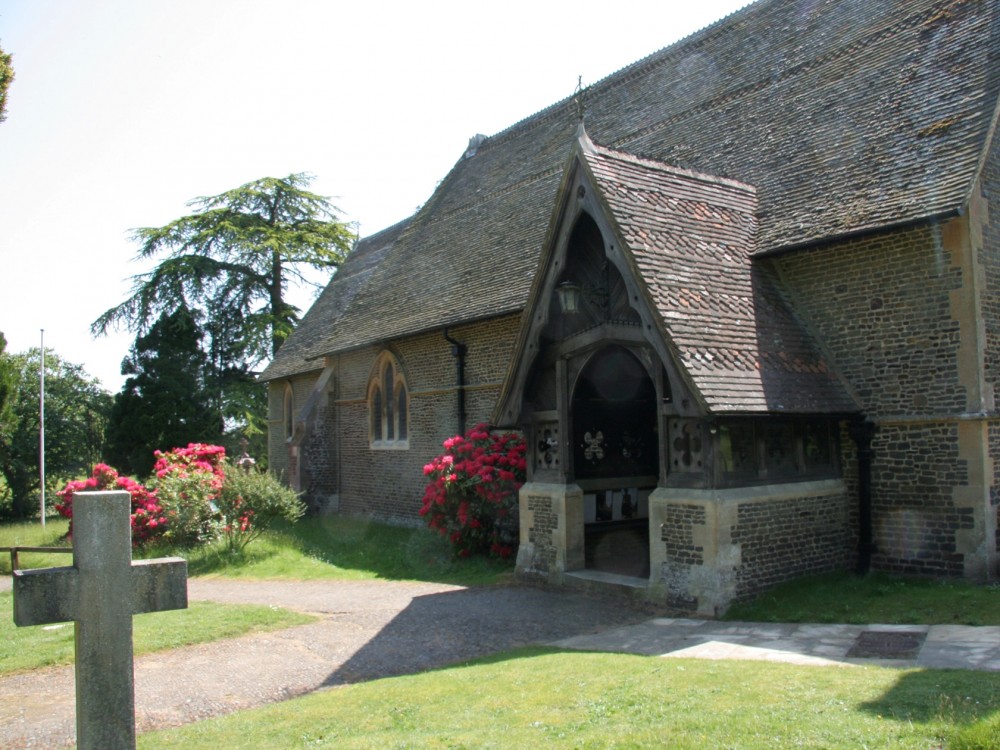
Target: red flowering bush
[148,519]
[187,482]
[471,497]
[195,496]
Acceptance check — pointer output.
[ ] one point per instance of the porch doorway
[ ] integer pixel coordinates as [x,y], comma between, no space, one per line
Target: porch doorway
[615,459]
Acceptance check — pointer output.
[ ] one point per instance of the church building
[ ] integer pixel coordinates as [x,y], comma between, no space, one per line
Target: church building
[742,298]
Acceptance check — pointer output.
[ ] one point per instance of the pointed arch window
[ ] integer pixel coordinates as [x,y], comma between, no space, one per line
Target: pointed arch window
[388,405]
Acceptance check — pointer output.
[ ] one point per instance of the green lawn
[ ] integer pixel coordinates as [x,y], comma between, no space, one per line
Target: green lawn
[548,698]
[347,549]
[47,645]
[544,697]
[875,598]
[314,548]
[31,534]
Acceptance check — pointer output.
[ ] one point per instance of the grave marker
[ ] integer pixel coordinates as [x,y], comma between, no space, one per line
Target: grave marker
[100,593]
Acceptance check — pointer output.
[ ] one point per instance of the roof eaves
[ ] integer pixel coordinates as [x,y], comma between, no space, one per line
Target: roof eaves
[931,218]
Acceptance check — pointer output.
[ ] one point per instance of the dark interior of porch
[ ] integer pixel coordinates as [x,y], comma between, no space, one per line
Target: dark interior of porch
[620,547]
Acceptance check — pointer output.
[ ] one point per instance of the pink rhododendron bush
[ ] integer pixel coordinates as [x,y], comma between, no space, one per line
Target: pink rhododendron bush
[149,520]
[471,497]
[194,496]
[187,481]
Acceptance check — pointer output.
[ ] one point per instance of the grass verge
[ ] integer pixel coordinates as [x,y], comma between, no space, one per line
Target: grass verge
[332,548]
[31,534]
[49,645]
[547,698]
[338,548]
[874,598]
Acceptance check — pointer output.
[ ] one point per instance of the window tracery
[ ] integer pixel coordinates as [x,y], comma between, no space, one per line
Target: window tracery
[388,405]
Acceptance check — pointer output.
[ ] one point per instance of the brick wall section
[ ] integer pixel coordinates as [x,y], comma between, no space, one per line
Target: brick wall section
[990,309]
[541,533]
[916,469]
[320,459]
[882,308]
[788,538]
[277,457]
[389,483]
[684,554]
[277,445]
[990,260]
[994,437]
[677,534]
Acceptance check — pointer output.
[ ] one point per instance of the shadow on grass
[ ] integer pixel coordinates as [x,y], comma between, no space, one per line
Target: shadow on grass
[946,695]
[442,629]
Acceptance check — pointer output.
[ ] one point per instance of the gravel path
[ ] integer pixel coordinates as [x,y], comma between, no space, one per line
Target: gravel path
[367,630]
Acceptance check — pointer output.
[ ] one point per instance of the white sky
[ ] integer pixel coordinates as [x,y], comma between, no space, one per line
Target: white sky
[123,110]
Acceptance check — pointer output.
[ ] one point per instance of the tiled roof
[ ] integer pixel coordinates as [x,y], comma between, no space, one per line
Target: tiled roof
[691,237]
[845,115]
[299,352]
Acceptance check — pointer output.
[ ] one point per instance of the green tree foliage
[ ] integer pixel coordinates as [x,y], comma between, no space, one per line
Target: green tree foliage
[250,501]
[7,381]
[233,258]
[166,400]
[76,413]
[6,76]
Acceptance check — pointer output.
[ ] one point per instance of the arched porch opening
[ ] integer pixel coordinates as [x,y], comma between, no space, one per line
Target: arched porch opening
[615,459]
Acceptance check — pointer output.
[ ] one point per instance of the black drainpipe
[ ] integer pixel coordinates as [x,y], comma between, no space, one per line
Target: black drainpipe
[862,433]
[458,351]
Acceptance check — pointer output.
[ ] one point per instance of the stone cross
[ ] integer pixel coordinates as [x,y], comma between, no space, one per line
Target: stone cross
[100,593]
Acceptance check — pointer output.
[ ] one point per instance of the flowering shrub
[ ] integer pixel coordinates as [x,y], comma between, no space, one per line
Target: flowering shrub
[250,501]
[195,496]
[471,497]
[187,482]
[148,519]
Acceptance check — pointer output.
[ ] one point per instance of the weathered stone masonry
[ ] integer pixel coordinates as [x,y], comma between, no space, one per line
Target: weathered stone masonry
[986,233]
[711,547]
[894,313]
[345,471]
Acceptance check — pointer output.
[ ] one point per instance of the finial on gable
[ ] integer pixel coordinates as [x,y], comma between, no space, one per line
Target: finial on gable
[579,99]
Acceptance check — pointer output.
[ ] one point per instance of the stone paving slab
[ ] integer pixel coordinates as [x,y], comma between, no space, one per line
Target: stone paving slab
[943,647]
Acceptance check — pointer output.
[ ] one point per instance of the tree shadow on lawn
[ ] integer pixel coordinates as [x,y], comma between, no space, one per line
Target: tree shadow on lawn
[956,696]
[442,629]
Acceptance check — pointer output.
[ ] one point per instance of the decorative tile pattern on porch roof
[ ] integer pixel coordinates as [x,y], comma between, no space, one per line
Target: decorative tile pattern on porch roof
[691,238]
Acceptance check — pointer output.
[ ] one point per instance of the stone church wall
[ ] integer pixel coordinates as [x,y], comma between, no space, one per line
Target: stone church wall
[882,309]
[709,548]
[277,443]
[389,483]
[896,314]
[990,226]
[785,538]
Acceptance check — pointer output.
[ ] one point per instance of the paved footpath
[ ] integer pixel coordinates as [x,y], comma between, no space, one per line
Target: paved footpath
[927,646]
[372,629]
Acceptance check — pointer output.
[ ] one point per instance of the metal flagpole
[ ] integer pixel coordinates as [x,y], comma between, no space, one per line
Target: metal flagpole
[41,427]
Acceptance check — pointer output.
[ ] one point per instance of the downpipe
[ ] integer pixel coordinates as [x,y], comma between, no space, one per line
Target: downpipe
[458,351]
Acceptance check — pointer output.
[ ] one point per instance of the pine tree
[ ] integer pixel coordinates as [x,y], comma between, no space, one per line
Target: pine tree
[165,402]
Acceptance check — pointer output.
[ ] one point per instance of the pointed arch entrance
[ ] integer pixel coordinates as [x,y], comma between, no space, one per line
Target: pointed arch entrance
[615,458]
